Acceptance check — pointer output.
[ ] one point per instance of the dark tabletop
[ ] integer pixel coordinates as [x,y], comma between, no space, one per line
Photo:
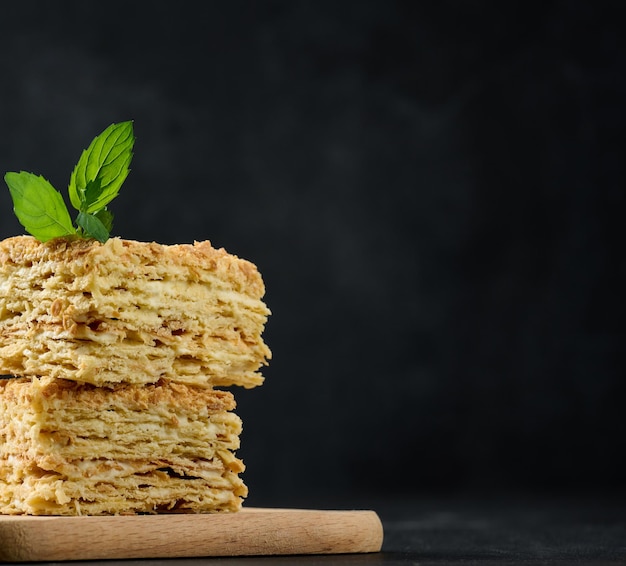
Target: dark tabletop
[475,530]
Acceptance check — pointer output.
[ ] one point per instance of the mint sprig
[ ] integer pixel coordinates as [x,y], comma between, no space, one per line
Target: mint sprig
[94,183]
[39,206]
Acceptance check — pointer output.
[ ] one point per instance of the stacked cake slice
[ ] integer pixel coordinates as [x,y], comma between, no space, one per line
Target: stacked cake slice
[114,352]
[130,312]
[74,448]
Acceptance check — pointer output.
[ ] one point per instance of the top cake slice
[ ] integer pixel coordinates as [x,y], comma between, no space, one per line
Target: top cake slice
[128,311]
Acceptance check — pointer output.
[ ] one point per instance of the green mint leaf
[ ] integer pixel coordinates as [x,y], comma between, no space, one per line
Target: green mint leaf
[106,217]
[39,206]
[94,183]
[92,226]
[91,193]
[106,160]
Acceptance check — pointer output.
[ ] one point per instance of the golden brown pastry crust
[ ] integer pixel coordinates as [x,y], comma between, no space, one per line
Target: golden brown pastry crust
[91,398]
[130,311]
[132,338]
[80,254]
[68,448]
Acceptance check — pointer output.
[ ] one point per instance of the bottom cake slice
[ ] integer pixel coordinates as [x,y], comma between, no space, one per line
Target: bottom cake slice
[71,449]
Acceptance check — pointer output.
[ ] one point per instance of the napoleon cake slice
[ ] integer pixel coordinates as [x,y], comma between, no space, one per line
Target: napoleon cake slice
[68,448]
[128,311]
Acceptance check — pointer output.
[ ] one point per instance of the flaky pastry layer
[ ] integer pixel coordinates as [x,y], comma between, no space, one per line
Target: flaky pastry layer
[130,311]
[31,490]
[68,448]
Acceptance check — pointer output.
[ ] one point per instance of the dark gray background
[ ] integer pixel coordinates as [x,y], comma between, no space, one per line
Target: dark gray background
[433,191]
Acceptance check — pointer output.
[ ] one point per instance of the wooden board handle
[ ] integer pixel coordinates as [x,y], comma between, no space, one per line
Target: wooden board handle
[250,532]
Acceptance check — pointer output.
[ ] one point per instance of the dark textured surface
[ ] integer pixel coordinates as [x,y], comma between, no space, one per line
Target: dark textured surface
[434,193]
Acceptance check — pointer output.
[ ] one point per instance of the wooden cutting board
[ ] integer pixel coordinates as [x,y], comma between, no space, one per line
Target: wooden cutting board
[250,532]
